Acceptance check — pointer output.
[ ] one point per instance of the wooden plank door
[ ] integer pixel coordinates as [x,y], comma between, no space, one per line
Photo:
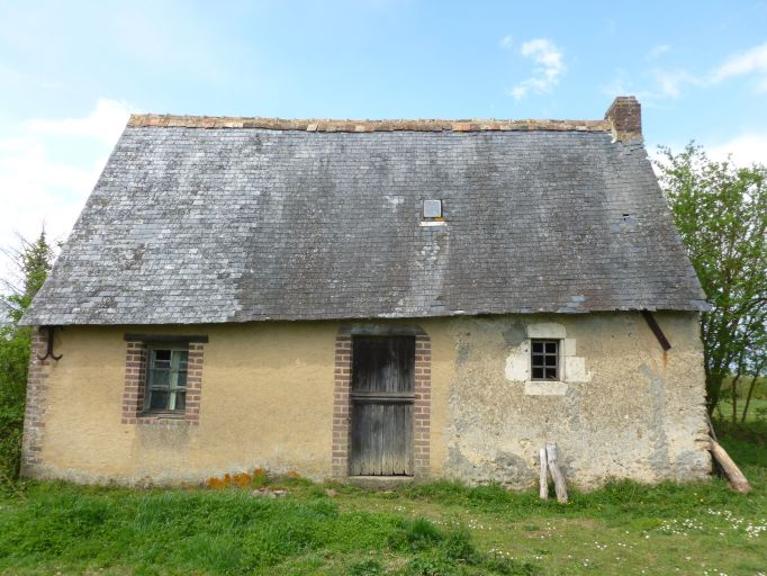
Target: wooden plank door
[382,405]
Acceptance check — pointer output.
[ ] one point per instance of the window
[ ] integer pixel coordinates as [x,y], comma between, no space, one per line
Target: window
[166,380]
[544,359]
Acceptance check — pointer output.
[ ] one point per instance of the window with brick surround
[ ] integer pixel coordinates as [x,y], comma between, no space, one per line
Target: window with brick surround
[163,379]
[544,359]
[166,379]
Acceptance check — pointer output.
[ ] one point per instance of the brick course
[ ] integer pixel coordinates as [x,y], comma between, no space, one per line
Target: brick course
[34,412]
[342,407]
[422,406]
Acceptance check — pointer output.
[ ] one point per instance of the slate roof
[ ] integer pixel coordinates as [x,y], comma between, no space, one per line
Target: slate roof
[199,220]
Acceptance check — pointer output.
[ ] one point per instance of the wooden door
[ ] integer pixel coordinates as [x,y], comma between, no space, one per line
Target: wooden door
[382,405]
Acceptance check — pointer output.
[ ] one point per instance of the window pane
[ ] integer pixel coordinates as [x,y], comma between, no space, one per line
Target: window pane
[179,356]
[158,400]
[551,373]
[551,347]
[537,372]
[551,361]
[167,380]
[159,378]
[161,359]
[537,347]
[163,355]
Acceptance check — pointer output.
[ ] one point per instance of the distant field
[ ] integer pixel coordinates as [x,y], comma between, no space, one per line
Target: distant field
[432,529]
[757,410]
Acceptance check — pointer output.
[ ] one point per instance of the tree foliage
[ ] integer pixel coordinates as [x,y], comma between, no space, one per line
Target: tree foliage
[721,213]
[33,261]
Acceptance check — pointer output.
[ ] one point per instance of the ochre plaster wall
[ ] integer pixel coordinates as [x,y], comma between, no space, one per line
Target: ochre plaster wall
[625,409]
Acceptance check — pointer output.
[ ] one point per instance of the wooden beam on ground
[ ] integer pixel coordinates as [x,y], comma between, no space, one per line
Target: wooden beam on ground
[735,477]
[544,477]
[560,486]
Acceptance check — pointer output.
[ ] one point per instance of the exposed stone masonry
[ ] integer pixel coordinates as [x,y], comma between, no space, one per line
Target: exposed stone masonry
[625,116]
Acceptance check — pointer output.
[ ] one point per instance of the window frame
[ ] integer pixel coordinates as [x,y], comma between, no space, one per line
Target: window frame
[172,347]
[557,354]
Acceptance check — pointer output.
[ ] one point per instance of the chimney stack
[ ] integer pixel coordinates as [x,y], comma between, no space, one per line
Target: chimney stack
[625,114]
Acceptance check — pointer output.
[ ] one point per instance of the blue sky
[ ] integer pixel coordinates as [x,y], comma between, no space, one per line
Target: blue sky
[71,72]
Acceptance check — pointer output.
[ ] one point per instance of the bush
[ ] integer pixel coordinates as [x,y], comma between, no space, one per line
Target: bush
[14,357]
[370,567]
[419,534]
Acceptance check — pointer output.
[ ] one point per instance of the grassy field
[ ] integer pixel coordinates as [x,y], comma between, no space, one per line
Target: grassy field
[758,407]
[757,410]
[431,529]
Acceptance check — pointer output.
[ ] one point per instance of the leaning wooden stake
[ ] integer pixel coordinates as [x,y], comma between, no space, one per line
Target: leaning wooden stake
[735,477]
[544,479]
[560,487]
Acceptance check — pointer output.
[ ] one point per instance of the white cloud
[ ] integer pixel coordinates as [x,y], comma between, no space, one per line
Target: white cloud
[49,166]
[753,61]
[670,82]
[664,84]
[658,51]
[744,150]
[104,123]
[506,41]
[549,67]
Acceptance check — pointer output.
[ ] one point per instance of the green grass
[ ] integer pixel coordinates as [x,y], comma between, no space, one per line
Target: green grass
[757,410]
[440,528]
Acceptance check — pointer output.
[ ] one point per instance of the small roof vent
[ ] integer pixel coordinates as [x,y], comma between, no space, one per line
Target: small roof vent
[432,209]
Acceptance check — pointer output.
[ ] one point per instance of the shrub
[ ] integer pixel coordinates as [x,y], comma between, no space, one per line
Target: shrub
[419,534]
[368,567]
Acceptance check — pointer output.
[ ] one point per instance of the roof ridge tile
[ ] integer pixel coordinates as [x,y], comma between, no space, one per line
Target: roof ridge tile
[386,125]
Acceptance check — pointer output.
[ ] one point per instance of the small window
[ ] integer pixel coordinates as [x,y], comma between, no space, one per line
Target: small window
[544,359]
[166,380]
[432,209]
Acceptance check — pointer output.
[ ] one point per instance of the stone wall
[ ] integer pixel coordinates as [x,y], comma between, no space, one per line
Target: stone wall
[269,398]
[622,409]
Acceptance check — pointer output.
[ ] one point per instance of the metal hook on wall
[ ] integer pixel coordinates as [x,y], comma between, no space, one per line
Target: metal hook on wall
[49,352]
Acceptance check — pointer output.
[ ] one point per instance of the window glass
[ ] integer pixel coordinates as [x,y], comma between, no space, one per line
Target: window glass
[544,359]
[166,380]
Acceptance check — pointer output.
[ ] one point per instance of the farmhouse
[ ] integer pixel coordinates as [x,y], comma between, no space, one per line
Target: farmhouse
[400,298]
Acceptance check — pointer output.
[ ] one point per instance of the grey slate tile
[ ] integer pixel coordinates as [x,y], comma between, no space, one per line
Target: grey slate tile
[190,225]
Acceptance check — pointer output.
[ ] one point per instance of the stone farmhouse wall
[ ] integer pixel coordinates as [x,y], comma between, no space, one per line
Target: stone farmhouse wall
[275,396]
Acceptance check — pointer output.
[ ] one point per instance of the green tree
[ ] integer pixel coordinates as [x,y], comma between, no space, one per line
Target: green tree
[33,261]
[721,213]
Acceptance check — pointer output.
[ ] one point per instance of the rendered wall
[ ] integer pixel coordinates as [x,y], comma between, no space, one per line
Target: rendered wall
[625,409]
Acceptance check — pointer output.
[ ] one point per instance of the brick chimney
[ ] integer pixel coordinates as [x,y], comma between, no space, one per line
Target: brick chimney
[625,114]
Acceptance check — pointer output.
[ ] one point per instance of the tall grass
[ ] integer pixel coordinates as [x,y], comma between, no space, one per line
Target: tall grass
[417,529]
[220,532]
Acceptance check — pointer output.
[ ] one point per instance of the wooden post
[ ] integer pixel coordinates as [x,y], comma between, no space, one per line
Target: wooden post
[560,487]
[544,478]
[737,480]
